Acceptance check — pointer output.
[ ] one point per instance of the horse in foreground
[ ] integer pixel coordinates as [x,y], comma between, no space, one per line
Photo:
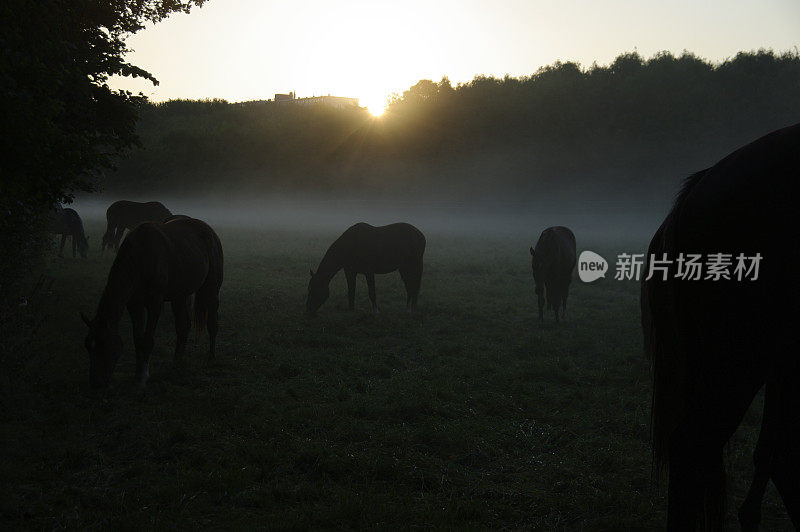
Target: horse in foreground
[66,222]
[552,262]
[124,214]
[365,249]
[715,343]
[156,263]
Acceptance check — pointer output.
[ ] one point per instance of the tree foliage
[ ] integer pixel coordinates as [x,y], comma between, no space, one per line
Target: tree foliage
[62,124]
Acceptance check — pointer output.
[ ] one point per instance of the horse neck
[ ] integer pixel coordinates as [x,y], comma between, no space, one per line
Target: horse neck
[117,292]
[330,264]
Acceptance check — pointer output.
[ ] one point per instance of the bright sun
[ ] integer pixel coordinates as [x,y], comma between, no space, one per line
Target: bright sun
[375,105]
[376,111]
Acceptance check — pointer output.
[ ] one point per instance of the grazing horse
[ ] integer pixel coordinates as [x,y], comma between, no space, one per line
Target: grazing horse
[366,249]
[552,262]
[124,214]
[66,222]
[156,263]
[715,343]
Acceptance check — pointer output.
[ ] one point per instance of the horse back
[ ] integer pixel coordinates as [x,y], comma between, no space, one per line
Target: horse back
[746,200]
[174,259]
[382,249]
[66,221]
[196,251]
[129,214]
[744,204]
[557,249]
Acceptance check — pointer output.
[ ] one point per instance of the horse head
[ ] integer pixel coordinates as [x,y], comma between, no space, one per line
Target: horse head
[108,240]
[318,292]
[105,348]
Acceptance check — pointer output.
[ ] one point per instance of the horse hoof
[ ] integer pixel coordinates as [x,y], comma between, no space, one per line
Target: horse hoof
[749,520]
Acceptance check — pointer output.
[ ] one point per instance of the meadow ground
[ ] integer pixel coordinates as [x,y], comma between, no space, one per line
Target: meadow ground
[469,414]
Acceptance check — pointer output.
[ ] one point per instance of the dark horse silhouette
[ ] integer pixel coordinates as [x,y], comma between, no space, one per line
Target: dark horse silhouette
[714,344]
[552,261]
[124,214]
[370,250]
[66,222]
[156,263]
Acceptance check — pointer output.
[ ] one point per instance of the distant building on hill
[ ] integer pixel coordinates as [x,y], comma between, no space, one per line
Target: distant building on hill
[340,102]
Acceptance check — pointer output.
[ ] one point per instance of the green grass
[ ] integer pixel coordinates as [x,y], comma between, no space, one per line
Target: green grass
[470,414]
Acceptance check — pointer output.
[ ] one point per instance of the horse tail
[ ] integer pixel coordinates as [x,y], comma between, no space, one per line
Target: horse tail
[667,362]
[208,293]
[661,339]
[199,313]
[665,346]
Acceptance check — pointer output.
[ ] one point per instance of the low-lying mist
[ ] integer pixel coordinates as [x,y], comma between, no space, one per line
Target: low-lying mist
[592,219]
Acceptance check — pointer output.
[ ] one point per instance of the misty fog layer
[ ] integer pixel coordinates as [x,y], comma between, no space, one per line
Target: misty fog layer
[592,221]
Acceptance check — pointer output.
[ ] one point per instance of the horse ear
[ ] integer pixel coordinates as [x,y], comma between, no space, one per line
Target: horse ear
[532,252]
[86,320]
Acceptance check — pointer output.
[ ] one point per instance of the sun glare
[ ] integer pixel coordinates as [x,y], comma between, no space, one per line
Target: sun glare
[375,106]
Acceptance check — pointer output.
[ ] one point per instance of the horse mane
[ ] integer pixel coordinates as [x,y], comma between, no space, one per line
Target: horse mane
[686,188]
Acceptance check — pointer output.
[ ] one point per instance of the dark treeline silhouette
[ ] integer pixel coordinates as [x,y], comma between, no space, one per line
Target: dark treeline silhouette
[636,122]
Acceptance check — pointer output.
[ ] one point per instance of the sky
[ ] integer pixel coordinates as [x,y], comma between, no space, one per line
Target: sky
[243,50]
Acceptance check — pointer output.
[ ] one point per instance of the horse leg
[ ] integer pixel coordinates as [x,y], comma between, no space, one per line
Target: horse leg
[548,292]
[786,458]
[213,321]
[118,237]
[786,475]
[750,511]
[136,312]
[351,289]
[61,249]
[416,283]
[74,245]
[564,293]
[554,298]
[540,302]
[405,275]
[107,237]
[371,289]
[696,468]
[147,342]
[180,309]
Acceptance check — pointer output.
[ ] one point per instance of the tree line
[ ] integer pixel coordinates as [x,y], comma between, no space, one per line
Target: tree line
[635,124]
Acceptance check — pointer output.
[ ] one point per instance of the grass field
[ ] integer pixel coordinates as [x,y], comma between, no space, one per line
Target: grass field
[470,414]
